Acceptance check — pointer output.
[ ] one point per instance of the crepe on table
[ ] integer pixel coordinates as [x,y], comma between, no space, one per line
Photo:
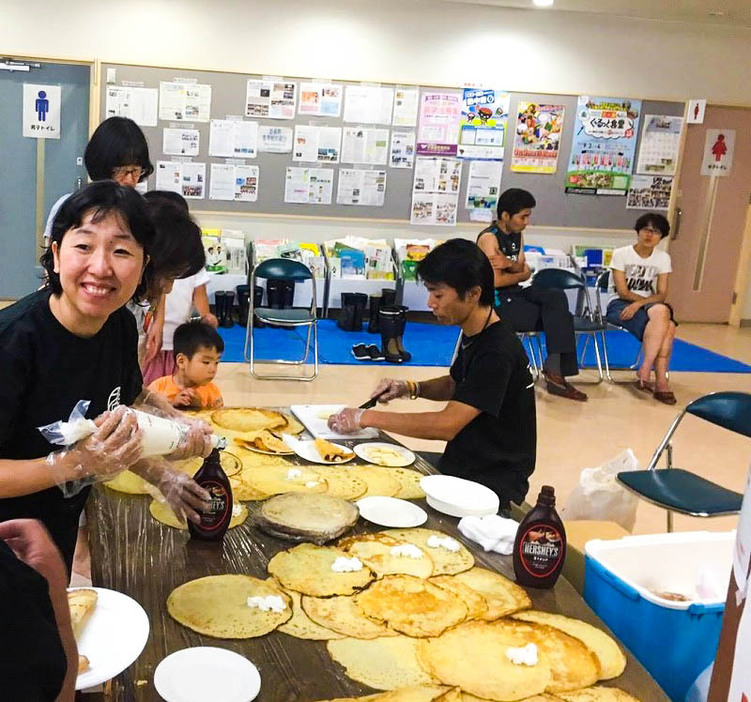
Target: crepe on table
[81,603]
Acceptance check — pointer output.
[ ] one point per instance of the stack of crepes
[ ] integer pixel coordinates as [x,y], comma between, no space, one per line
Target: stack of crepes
[406,611]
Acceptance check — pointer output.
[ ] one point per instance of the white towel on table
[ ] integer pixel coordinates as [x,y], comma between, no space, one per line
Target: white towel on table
[492,532]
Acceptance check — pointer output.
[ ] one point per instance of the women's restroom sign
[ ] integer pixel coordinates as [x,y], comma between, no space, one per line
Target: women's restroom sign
[719,145]
[41,111]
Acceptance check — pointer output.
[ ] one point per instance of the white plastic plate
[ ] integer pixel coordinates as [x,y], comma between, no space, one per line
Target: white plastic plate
[370,452]
[391,512]
[458,497]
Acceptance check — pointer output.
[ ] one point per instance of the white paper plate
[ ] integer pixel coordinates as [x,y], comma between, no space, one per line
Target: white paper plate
[308,451]
[207,673]
[368,452]
[112,638]
[458,497]
[391,512]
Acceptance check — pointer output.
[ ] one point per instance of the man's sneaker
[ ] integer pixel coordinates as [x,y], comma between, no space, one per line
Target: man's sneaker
[361,352]
[557,385]
[375,353]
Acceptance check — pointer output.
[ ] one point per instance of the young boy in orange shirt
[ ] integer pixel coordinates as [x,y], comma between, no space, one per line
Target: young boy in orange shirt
[198,349]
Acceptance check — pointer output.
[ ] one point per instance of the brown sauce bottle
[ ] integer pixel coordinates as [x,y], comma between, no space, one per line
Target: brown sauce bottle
[540,544]
[215,519]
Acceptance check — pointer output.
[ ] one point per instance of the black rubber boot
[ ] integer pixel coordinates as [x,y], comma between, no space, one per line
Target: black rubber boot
[374,306]
[229,301]
[220,298]
[388,297]
[346,321]
[389,321]
[360,301]
[288,294]
[243,303]
[406,355]
[275,293]
[257,302]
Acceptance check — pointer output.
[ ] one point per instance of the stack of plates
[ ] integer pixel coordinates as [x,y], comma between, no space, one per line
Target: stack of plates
[458,497]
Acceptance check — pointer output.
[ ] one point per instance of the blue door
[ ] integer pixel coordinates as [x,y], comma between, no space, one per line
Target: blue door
[20,233]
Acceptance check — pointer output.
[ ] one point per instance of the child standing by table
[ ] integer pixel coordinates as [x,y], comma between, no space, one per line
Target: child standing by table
[198,349]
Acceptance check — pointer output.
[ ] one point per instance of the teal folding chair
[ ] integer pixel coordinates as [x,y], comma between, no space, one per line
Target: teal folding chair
[679,490]
[293,317]
[586,322]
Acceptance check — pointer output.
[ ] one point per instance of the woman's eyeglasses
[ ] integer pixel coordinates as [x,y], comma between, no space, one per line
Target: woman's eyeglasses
[127,172]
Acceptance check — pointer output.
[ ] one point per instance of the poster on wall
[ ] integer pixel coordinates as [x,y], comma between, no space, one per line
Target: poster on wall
[537,138]
[309,186]
[439,124]
[406,104]
[270,98]
[482,124]
[233,138]
[238,183]
[660,141]
[184,102]
[602,152]
[321,99]
[649,192]
[435,191]
[483,188]
[402,149]
[361,145]
[313,143]
[138,104]
[180,142]
[274,140]
[368,104]
[183,177]
[361,187]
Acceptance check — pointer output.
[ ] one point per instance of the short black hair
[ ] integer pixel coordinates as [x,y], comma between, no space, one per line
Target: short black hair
[169,195]
[460,264]
[118,141]
[514,200]
[177,251]
[103,198]
[194,335]
[655,220]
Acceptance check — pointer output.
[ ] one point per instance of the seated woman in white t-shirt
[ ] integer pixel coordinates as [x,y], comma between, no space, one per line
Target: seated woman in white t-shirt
[640,273]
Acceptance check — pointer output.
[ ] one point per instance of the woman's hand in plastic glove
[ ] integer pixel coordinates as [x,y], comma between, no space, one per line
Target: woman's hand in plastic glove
[111,449]
[390,389]
[197,440]
[347,421]
[183,494]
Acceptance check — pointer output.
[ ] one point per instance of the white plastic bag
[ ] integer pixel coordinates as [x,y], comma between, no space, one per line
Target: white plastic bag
[600,496]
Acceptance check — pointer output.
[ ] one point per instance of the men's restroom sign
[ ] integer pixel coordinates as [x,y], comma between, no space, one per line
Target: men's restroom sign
[41,111]
[718,152]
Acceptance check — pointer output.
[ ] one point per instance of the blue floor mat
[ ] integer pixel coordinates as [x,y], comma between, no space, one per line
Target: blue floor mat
[433,345]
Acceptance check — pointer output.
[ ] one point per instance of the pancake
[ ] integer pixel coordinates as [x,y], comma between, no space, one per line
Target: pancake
[598,694]
[445,561]
[244,419]
[502,596]
[377,551]
[303,627]
[411,605]
[473,600]
[217,606]
[129,483]
[81,603]
[342,482]
[276,480]
[307,569]
[421,693]
[263,440]
[242,492]
[473,657]
[383,663]
[611,660]
[409,483]
[378,479]
[341,614]
[163,513]
[309,517]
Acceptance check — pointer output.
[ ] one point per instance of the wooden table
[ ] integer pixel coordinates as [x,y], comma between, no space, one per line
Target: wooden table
[134,554]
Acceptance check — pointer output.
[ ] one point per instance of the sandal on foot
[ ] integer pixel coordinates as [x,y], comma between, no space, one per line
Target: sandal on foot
[644,385]
[665,396]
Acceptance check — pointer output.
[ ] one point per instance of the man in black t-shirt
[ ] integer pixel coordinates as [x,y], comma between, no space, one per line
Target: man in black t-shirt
[529,309]
[489,420]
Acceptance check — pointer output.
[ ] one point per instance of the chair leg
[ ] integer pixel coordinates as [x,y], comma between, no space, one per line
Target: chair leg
[597,356]
[670,522]
[605,355]
[584,350]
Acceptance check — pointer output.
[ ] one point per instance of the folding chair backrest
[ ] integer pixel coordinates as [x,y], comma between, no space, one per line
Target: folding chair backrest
[730,410]
[557,278]
[282,268]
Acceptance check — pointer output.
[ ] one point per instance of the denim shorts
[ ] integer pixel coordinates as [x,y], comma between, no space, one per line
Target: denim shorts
[638,323]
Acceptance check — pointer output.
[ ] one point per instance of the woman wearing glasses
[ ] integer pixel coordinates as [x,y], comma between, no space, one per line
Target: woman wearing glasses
[640,274]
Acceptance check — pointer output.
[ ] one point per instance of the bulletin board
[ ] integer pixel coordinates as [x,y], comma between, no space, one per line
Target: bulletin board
[228,98]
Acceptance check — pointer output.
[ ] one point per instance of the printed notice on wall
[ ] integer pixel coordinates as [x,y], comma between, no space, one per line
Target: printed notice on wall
[234,182]
[270,99]
[435,191]
[361,145]
[321,99]
[439,124]
[274,140]
[402,149]
[313,143]
[482,126]
[406,104]
[649,192]
[138,104]
[309,186]
[361,187]
[537,138]
[184,102]
[186,178]
[180,142]
[368,105]
[233,138]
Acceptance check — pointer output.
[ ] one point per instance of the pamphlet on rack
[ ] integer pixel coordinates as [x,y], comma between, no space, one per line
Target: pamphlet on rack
[233,241]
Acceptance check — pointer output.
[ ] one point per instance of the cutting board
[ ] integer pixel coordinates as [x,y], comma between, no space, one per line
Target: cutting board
[315,420]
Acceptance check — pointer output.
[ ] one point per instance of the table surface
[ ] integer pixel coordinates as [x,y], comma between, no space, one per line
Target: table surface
[134,554]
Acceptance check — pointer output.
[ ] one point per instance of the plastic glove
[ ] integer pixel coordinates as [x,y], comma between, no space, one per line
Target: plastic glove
[196,442]
[183,494]
[347,421]
[111,449]
[391,389]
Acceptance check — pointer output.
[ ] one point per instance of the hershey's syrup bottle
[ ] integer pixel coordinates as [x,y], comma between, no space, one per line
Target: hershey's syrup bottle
[215,519]
[540,544]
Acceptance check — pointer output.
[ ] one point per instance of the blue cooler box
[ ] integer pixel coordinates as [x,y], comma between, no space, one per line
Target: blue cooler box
[629,583]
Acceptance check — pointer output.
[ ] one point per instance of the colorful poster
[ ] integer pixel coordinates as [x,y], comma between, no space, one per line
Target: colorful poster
[435,191]
[367,104]
[314,143]
[718,152]
[184,102]
[660,142]
[482,126]
[537,138]
[322,99]
[309,186]
[234,182]
[274,140]
[439,124]
[602,152]
[360,187]
[406,104]
[369,146]
[402,149]
[270,98]
[649,192]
